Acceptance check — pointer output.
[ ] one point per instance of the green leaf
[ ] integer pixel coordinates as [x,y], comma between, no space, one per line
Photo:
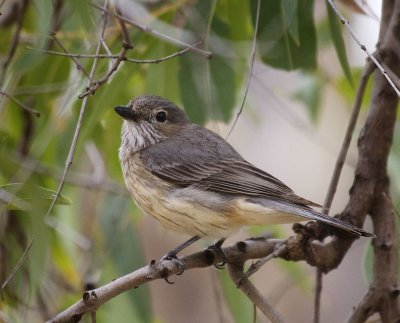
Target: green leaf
[336,34]
[290,18]
[24,196]
[192,88]
[286,38]
[223,78]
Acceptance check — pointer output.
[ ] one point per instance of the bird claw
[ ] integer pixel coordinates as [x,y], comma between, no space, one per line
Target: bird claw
[176,261]
[216,247]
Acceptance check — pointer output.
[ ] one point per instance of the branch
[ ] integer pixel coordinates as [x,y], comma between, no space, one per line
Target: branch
[250,72]
[363,47]
[153,32]
[92,300]
[235,270]
[107,56]
[20,104]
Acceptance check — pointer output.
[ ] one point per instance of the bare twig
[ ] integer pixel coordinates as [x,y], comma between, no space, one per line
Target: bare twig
[363,47]
[92,300]
[125,35]
[156,33]
[317,295]
[236,272]
[17,266]
[94,86]
[107,56]
[367,71]
[250,72]
[20,104]
[257,265]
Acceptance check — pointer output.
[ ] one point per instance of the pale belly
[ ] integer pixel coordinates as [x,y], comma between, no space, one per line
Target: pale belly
[193,211]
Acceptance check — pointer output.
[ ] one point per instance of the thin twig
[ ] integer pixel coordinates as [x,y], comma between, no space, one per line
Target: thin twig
[20,104]
[125,35]
[71,152]
[106,56]
[250,72]
[363,47]
[235,270]
[94,86]
[317,295]
[77,63]
[17,266]
[156,33]
[258,264]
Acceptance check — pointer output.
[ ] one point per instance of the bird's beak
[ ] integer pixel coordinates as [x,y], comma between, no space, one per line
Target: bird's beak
[127,113]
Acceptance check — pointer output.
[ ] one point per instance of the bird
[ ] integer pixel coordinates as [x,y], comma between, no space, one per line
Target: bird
[193,181]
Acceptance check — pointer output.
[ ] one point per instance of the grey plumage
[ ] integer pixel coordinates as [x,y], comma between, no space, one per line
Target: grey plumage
[193,160]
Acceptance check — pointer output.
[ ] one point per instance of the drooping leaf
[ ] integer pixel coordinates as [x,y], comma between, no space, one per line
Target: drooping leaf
[192,88]
[281,43]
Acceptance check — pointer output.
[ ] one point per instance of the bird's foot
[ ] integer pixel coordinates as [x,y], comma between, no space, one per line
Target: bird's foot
[216,247]
[176,261]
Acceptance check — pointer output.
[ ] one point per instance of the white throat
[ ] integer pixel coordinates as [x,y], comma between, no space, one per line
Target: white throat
[137,136]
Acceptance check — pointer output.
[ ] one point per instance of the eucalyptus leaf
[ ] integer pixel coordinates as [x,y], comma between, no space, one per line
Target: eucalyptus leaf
[286,40]
[337,38]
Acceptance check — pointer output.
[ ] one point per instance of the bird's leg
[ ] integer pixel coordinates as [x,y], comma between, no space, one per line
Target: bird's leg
[216,247]
[172,254]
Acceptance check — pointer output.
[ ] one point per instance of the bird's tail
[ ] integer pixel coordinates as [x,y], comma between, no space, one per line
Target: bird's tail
[309,213]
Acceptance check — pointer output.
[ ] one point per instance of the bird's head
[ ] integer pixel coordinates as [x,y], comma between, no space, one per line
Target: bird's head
[149,120]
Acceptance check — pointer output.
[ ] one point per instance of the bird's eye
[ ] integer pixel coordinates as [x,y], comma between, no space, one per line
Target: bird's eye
[161,116]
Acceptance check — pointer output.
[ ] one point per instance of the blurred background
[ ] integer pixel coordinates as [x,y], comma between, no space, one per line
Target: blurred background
[301,90]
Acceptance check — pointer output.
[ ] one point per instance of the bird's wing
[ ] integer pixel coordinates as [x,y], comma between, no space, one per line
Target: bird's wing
[203,159]
[233,177]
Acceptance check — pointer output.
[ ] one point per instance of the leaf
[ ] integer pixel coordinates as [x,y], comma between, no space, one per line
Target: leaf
[24,196]
[192,88]
[223,78]
[290,14]
[286,38]
[336,34]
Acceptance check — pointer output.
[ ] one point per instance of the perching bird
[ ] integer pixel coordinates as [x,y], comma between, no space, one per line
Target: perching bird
[193,181]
